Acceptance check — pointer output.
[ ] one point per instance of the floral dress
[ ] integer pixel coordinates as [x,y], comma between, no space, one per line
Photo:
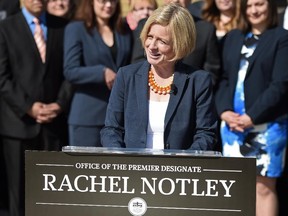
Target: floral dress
[267,142]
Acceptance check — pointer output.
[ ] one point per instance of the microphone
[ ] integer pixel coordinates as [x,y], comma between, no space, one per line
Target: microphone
[174,89]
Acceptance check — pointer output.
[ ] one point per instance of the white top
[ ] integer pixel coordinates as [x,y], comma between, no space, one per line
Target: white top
[155,130]
[285,21]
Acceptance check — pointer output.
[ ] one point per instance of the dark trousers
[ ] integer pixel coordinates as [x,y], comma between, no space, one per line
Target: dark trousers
[3,183]
[14,155]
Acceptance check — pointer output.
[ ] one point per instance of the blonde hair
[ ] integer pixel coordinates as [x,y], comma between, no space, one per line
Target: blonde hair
[181,25]
[134,2]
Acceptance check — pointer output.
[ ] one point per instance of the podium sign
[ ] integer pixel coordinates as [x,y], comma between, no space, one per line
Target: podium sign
[119,183]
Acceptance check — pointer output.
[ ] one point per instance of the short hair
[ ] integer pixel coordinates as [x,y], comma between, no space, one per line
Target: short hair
[134,2]
[182,28]
[272,22]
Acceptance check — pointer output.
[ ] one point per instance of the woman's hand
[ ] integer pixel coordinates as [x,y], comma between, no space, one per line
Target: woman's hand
[109,76]
[246,121]
[232,119]
[236,121]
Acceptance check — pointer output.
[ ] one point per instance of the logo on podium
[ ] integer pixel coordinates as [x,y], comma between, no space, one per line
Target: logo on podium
[137,206]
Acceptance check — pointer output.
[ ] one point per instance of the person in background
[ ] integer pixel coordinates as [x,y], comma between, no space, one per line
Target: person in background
[195,8]
[162,103]
[205,55]
[8,8]
[33,92]
[224,15]
[61,8]
[139,9]
[96,45]
[283,17]
[252,97]
[282,182]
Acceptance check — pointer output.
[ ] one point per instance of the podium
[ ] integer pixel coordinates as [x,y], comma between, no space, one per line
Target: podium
[121,182]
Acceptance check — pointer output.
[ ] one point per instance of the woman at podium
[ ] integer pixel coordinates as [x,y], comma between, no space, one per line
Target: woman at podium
[162,103]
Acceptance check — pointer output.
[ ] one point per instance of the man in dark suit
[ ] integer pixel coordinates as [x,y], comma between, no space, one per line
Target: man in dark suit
[33,93]
[7,8]
[205,55]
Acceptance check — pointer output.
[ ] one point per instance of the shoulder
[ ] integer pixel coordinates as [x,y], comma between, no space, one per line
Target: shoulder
[199,78]
[75,28]
[132,69]
[75,25]
[192,72]
[17,21]
[204,24]
[11,20]
[278,32]
[234,33]
[195,9]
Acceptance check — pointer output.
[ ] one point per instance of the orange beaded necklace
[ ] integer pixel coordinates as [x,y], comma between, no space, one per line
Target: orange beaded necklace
[161,90]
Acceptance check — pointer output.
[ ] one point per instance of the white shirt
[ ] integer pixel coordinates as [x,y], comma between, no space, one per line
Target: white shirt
[285,19]
[155,130]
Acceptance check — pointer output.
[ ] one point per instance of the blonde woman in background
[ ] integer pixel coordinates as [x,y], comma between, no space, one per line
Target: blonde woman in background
[140,9]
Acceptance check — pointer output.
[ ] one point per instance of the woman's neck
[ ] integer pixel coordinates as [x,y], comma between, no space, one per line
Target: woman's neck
[164,71]
[102,22]
[226,17]
[259,29]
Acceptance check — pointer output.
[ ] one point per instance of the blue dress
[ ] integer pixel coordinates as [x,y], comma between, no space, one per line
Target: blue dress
[267,142]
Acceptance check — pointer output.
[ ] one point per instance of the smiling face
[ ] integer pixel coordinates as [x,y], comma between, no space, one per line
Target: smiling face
[158,45]
[257,12]
[58,7]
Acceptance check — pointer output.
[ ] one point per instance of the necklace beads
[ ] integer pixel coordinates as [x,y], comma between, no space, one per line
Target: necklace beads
[155,87]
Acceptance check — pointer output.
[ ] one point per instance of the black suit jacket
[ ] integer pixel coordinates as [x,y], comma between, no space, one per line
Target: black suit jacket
[266,81]
[204,56]
[24,79]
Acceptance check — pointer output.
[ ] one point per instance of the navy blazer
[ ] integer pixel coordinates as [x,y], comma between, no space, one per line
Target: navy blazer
[190,120]
[266,81]
[85,58]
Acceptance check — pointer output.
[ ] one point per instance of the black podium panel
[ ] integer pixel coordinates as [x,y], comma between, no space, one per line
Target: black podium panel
[121,184]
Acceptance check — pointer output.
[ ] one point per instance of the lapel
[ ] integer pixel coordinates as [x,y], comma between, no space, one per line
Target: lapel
[23,26]
[233,55]
[100,44]
[180,79]
[261,47]
[119,43]
[141,79]
[50,40]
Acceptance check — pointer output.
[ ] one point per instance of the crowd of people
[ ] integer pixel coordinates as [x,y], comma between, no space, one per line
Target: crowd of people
[208,75]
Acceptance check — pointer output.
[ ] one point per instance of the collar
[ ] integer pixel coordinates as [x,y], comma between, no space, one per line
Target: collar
[29,17]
